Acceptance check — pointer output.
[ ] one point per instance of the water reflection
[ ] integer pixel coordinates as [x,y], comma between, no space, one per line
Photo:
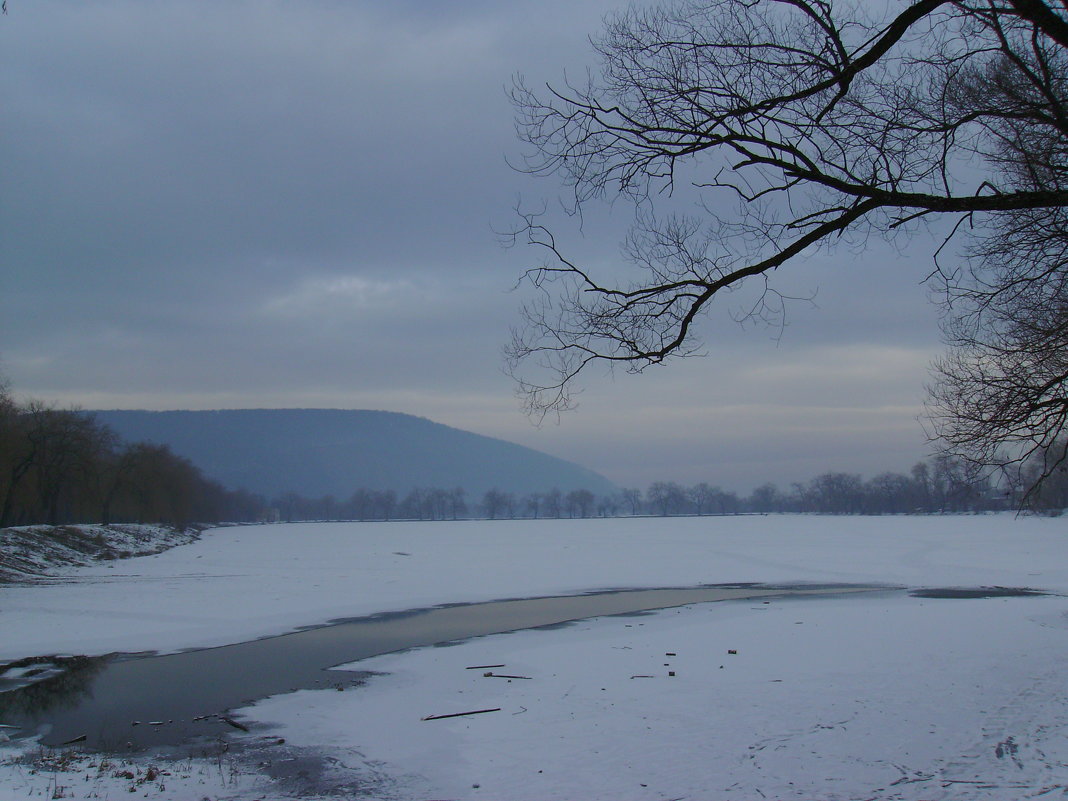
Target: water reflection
[134,702]
[64,689]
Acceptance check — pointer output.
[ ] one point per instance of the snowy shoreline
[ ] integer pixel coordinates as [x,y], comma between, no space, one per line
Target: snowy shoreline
[242,583]
[883,696]
[37,553]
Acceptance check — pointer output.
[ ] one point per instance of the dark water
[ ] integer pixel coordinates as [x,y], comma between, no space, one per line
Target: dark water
[123,702]
[974,592]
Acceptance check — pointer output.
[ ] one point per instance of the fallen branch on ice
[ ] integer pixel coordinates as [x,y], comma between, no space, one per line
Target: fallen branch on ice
[461,714]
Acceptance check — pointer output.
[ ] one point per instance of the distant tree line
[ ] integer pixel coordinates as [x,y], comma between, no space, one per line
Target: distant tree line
[435,503]
[61,466]
[943,485]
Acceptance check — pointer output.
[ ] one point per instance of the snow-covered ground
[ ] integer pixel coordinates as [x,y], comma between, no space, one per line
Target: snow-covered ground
[878,696]
[32,553]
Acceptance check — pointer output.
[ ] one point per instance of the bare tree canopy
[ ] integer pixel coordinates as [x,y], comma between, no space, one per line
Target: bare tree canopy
[1001,392]
[819,120]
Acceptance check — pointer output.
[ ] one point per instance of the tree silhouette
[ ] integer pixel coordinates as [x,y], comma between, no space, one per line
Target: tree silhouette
[818,120]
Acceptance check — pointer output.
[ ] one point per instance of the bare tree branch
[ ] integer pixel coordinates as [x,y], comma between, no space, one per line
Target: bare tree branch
[819,120]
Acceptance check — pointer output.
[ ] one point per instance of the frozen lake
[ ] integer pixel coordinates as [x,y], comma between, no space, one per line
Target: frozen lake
[126,702]
[878,695]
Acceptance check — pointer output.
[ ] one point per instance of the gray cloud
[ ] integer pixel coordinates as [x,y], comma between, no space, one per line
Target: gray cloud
[277,204]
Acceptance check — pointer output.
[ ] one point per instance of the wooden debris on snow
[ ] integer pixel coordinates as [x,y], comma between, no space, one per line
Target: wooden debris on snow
[461,714]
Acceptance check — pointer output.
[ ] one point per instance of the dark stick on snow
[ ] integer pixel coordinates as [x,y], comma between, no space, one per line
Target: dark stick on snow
[461,714]
[481,667]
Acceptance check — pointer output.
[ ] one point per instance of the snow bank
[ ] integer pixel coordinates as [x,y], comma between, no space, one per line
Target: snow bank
[31,553]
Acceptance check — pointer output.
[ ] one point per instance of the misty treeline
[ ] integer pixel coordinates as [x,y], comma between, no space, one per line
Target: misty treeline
[943,485]
[61,466]
[435,503]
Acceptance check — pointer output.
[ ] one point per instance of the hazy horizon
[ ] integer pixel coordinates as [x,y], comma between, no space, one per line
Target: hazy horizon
[247,205]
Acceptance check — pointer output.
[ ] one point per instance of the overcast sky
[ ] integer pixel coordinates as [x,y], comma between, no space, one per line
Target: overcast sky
[265,204]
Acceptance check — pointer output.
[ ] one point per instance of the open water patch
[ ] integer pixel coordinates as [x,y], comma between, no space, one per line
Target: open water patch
[975,592]
[123,702]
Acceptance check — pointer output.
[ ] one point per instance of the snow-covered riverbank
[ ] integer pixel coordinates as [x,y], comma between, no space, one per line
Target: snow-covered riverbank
[840,698]
[883,696]
[34,553]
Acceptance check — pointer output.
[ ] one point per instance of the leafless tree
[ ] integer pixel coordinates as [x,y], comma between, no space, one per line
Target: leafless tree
[164,487]
[837,493]
[633,498]
[554,503]
[957,484]
[821,121]
[1001,392]
[361,504]
[1052,493]
[609,505]
[579,502]
[66,446]
[532,503]
[16,453]
[497,502]
[61,466]
[666,497]
[385,504]
[701,496]
[766,498]
[457,504]
[891,493]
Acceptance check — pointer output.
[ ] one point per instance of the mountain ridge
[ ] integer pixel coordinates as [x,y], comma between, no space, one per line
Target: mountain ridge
[317,452]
